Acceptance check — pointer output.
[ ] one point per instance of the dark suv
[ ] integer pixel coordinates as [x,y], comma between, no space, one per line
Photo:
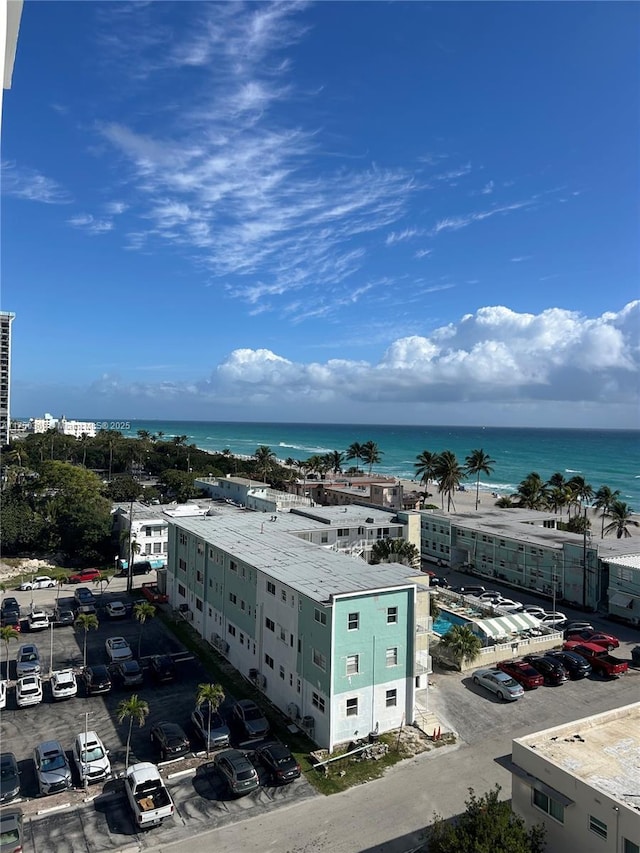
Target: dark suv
[96,679]
[237,771]
[575,664]
[551,670]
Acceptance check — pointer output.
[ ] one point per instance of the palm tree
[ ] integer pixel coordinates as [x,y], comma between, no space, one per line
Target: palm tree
[354,451]
[434,607]
[448,473]
[531,493]
[142,611]
[88,622]
[580,490]
[395,551]
[134,549]
[371,454]
[144,434]
[335,459]
[426,466]
[461,643]
[8,633]
[621,517]
[604,500]
[136,710]
[478,462]
[213,696]
[265,459]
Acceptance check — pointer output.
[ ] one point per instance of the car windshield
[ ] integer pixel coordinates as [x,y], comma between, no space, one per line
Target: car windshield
[29,688]
[55,762]
[252,713]
[64,680]
[118,644]
[244,775]
[95,753]
[508,681]
[281,760]
[28,656]
[6,770]
[9,837]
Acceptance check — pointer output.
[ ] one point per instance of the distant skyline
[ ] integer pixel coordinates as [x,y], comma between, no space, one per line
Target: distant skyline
[335,212]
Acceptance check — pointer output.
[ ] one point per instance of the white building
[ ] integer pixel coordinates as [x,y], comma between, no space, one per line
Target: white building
[43,424]
[6,318]
[582,781]
[76,428]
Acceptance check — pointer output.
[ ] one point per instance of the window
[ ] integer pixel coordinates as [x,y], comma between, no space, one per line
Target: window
[317,701]
[271,588]
[391,698]
[182,591]
[353,621]
[233,566]
[199,576]
[392,615]
[269,661]
[200,548]
[283,634]
[352,707]
[233,597]
[282,673]
[157,547]
[182,565]
[548,805]
[231,629]
[298,685]
[283,595]
[198,604]
[343,531]
[320,660]
[319,616]
[629,846]
[270,624]
[353,664]
[392,656]
[597,826]
[242,604]
[324,538]
[290,679]
[242,639]
[183,538]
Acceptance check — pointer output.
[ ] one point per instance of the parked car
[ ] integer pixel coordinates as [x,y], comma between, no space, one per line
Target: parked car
[11,834]
[170,740]
[163,668]
[85,609]
[53,772]
[126,673]
[601,661]
[218,733]
[553,620]
[552,671]
[237,771]
[468,590]
[9,777]
[576,625]
[575,664]
[84,596]
[118,649]
[41,582]
[489,595]
[9,604]
[250,718]
[439,582]
[508,605]
[11,619]
[38,620]
[96,679]
[599,638]
[90,757]
[277,758]
[522,672]
[3,694]
[116,610]
[84,576]
[499,683]
[27,660]
[63,684]
[535,610]
[28,691]
[63,617]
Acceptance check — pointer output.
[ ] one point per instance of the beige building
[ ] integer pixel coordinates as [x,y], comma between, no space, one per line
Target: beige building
[582,781]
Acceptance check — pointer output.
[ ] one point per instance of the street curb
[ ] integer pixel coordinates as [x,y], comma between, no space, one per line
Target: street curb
[53,809]
[190,772]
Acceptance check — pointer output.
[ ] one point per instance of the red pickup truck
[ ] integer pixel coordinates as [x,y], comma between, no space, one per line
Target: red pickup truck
[152,593]
[600,659]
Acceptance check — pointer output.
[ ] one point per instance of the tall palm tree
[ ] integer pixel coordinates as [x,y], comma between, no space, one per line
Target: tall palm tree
[8,634]
[621,516]
[354,451]
[580,490]
[142,611]
[211,695]
[461,643]
[449,474]
[395,551]
[478,462]
[88,622]
[531,493]
[371,454]
[425,466]
[265,459]
[335,459]
[134,550]
[144,434]
[135,710]
[604,500]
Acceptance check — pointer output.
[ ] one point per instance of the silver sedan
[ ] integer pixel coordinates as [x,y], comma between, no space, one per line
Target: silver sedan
[499,683]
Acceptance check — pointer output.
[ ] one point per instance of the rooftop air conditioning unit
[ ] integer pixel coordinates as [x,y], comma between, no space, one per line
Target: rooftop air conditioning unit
[369,520]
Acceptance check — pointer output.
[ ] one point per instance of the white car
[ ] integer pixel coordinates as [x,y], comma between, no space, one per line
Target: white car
[3,694]
[28,691]
[91,757]
[63,684]
[41,582]
[509,605]
[535,610]
[116,610]
[118,649]
[38,620]
[553,620]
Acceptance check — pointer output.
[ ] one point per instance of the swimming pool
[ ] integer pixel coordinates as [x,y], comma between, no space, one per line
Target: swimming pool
[446,620]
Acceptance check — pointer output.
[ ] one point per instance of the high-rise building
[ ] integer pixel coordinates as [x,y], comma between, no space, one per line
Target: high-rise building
[6,318]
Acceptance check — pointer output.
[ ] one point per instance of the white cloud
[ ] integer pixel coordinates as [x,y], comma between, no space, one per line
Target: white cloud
[86,222]
[455,223]
[520,258]
[423,253]
[487,189]
[401,236]
[28,184]
[115,208]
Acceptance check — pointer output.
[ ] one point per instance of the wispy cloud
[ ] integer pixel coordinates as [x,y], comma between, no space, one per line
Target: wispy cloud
[487,189]
[86,222]
[455,223]
[30,185]
[400,236]
[452,174]
[423,253]
[115,208]
[519,259]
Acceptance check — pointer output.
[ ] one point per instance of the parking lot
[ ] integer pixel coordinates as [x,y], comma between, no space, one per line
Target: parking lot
[105,823]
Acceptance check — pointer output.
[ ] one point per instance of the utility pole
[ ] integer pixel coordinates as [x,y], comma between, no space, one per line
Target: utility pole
[584,561]
[83,757]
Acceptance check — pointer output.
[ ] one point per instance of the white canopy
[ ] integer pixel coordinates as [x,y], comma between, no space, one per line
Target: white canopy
[502,626]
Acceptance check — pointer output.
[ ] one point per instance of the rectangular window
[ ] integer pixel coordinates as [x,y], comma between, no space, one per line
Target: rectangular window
[548,805]
[282,673]
[283,635]
[283,595]
[629,846]
[271,588]
[352,707]
[183,538]
[182,565]
[270,624]
[319,660]
[392,656]
[233,597]
[324,538]
[242,604]
[242,639]
[319,616]
[157,547]
[290,679]
[198,604]
[298,685]
[597,826]
[392,615]
[231,629]
[233,566]
[353,664]
[200,548]
[269,661]
[343,531]
[317,701]
[353,621]
[199,576]
[182,591]
[391,698]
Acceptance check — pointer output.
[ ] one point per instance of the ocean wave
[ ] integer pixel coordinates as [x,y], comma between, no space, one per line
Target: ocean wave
[305,448]
[572,471]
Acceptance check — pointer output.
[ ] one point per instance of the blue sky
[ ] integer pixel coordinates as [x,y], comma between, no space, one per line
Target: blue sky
[359,212]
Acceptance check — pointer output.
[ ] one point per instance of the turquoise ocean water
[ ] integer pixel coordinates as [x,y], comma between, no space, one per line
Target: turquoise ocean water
[602,457]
